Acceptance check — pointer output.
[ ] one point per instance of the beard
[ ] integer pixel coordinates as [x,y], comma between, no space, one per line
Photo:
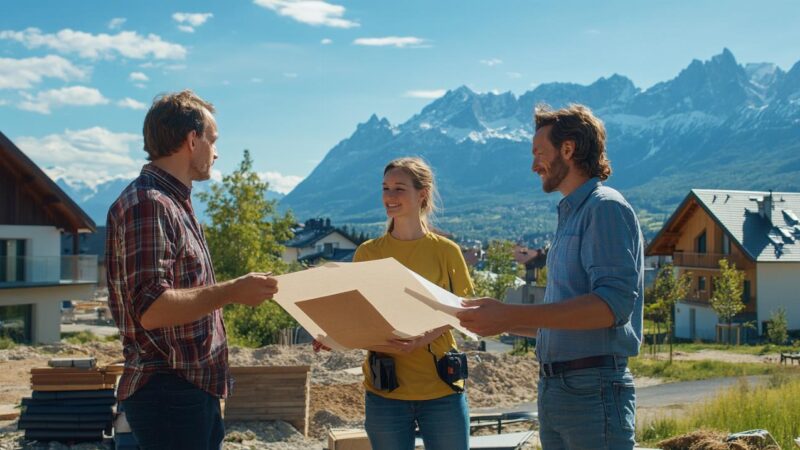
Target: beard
[200,172]
[555,175]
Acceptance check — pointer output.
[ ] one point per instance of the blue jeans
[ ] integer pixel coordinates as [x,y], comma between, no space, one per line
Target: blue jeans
[443,422]
[587,409]
[170,413]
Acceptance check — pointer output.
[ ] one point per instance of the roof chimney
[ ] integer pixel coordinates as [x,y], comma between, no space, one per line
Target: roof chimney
[769,207]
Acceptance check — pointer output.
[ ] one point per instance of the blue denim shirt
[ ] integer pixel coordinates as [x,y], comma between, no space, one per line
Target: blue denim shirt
[598,248]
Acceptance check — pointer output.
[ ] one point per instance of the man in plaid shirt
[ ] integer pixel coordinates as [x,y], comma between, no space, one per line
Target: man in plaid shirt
[162,291]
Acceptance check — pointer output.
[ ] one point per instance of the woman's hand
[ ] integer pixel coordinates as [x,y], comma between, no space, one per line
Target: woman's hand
[405,346]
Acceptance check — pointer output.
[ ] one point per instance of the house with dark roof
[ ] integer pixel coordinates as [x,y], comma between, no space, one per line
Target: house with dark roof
[34,277]
[318,240]
[757,231]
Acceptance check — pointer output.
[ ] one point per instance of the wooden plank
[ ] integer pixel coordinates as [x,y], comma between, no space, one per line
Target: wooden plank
[270,393]
[272,376]
[269,370]
[71,387]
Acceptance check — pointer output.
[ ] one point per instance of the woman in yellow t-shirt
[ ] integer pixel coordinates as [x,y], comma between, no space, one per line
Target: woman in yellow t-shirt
[421,398]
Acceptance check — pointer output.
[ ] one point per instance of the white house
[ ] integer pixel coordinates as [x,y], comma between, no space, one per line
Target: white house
[759,232]
[318,240]
[34,277]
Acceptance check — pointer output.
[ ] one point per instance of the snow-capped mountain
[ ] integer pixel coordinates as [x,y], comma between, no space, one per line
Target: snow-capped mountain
[96,200]
[717,124]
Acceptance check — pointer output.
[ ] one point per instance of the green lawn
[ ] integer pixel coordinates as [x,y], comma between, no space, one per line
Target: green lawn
[701,370]
[761,349]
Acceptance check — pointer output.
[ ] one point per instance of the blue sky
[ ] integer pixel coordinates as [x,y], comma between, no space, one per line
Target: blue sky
[292,78]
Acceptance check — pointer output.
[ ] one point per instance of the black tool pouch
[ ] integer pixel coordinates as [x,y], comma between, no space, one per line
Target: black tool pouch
[383,372]
[452,367]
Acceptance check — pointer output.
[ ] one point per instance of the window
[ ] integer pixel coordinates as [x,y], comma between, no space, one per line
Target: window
[726,244]
[701,283]
[700,243]
[15,323]
[746,292]
[12,260]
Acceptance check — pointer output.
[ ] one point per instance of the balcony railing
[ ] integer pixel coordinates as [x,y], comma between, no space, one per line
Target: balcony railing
[47,270]
[706,260]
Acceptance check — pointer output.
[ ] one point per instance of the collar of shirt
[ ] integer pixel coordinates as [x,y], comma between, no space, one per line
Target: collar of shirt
[574,200]
[168,182]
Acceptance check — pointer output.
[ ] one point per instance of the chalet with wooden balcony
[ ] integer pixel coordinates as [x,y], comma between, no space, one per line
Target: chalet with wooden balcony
[759,232]
[34,276]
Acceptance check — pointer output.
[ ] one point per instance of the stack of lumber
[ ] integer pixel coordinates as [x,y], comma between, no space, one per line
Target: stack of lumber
[270,393]
[71,401]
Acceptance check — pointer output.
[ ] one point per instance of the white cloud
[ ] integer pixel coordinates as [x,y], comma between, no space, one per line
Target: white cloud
[310,12]
[514,74]
[138,76]
[279,182]
[128,102]
[326,41]
[116,23]
[491,62]
[430,94]
[92,155]
[391,41]
[187,22]
[3,102]
[256,80]
[128,44]
[24,73]
[44,101]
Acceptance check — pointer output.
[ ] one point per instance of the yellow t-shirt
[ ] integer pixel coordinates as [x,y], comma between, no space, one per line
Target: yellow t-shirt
[440,261]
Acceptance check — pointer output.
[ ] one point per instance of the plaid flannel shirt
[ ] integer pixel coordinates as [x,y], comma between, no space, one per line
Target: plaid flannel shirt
[155,243]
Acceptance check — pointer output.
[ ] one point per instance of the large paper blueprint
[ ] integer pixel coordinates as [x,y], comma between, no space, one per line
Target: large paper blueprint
[358,305]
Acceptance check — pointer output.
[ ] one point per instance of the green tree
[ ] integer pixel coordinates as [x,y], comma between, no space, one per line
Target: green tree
[541,277]
[728,289]
[778,330]
[244,236]
[660,303]
[501,271]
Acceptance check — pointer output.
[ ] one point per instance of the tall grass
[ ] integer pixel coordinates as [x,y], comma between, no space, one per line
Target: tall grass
[774,407]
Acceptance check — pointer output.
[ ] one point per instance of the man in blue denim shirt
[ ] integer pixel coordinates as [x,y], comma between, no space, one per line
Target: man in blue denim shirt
[591,319]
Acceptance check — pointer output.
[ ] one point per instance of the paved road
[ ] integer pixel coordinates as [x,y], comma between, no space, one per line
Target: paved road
[661,395]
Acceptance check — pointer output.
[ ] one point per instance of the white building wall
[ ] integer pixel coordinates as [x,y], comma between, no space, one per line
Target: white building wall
[42,250]
[705,321]
[46,301]
[778,286]
[290,254]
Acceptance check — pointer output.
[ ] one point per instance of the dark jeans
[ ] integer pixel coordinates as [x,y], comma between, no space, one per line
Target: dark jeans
[171,413]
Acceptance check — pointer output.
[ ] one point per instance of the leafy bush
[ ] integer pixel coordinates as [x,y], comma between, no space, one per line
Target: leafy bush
[778,329]
[7,343]
[256,327]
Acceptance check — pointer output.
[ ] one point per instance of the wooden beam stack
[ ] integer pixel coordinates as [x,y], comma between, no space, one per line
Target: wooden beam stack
[70,402]
[270,393]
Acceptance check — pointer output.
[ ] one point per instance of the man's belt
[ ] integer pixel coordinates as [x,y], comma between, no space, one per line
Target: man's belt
[557,368]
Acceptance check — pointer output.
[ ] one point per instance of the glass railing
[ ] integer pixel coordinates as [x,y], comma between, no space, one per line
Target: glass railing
[39,270]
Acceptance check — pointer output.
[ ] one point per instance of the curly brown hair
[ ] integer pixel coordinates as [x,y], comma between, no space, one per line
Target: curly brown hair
[170,119]
[576,123]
